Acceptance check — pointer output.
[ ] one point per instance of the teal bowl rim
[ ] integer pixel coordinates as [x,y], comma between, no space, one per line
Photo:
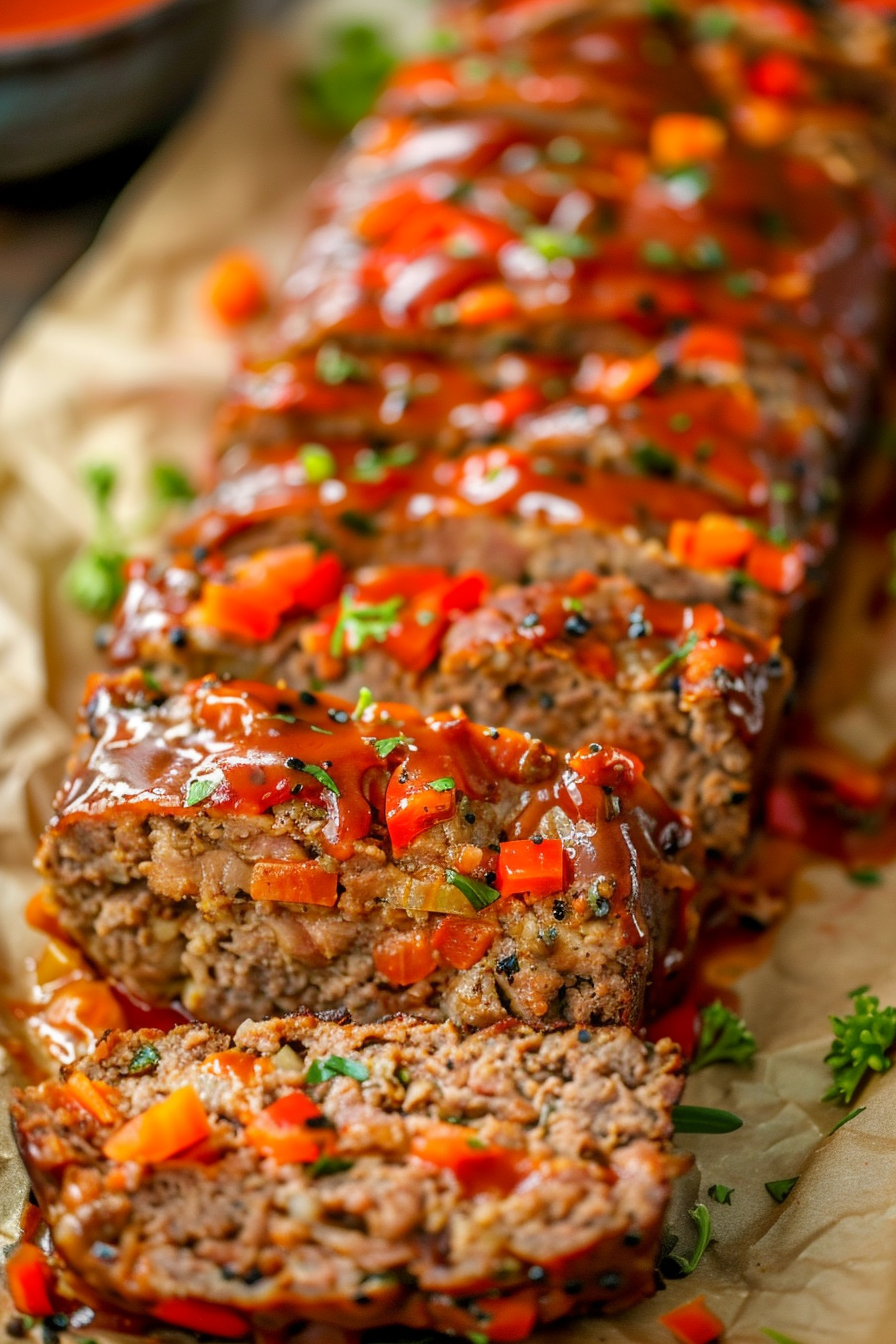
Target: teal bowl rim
[69,39]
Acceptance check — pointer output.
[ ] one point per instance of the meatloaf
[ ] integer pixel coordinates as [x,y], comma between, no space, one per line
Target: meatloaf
[696,698]
[246,849]
[361,1175]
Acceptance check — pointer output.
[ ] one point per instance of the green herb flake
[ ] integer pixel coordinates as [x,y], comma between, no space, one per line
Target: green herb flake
[363,703]
[479,894]
[94,581]
[145,1060]
[334,367]
[152,683]
[714,24]
[846,1119]
[676,655]
[322,1070]
[359,622]
[317,462]
[654,252]
[565,149]
[704,1120]
[653,461]
[327,781]
[724,1038]
[861,1042]
[387,744]
[555,243]
[336,94]
[782,492]
[866,877]
[779,1190]
[329,1166]
[739,286]
[680,422]
[200,789]
[679,1266]
[721,1193]
[359,523]
[442,785]
[776,1337]
[169,485]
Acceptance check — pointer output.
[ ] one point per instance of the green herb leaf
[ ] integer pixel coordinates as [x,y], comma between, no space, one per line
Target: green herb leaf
[329,1166]
[333,366]
[554,243]
[358,622]
[200,789]
[861,1041]
[779,1190]
[676,655]
[94,581]
[387,744]
[679,1266]
[704,1120]
[653,461]
[479,894]
[170,485]
[145,1060]
[364,701]
[317,462]
[442,785]
[100,481]
[342,90]
[846,1119]
[724,1038]
[866,877]
[359,522]
[721,1193]
[322,1070]
[316,772]
[152,683]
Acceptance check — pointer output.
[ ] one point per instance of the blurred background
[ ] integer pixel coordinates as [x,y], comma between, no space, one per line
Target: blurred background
[88,88]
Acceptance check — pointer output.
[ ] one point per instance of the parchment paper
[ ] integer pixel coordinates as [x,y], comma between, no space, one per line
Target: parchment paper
[122,364]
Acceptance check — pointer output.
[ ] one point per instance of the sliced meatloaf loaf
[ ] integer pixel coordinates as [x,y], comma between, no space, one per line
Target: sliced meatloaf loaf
[400,1173]
[247,849]
[696,698]
[518,515]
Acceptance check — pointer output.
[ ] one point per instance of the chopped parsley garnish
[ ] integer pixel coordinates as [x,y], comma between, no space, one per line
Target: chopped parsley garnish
[704,1120]
[680,422]
[333,366]
[714,23]
[329,1166]
[779,1190]
[654,252]
[861,1041]
[724,1038]
[170,485]
[145,1060]
[721,1193]
[322,1070]
[679,1266]
[442,785]
[318,463]
[866,877]
[783,492]
[316,772]
[358,622]
[358,522]
[676,655]
[846,1119]
[387,744]
[565,149]
[653,461]
[152,683]
[364,701]
[94,580]
[338,93]
[200,789]
[706,254]
[739,286]
[479,894]
[554,243]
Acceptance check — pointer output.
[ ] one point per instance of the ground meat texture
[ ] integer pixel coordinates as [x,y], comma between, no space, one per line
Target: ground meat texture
[249,849]
[544,1195]
[586,660]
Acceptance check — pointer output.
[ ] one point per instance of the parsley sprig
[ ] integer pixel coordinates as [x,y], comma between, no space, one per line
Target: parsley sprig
[680,1266]
[861,1042]
[358,622]
[724,1038]
[341,90]
[322,1070]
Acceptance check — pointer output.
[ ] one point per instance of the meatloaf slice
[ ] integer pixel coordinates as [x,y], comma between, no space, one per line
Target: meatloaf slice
[401,1173]
[695,697]
[246,849]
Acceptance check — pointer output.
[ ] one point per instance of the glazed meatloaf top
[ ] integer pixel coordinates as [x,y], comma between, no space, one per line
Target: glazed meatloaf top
[395,1173]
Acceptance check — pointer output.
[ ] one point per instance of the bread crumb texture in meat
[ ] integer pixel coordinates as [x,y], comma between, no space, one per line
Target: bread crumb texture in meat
[363,1175]
[246,849]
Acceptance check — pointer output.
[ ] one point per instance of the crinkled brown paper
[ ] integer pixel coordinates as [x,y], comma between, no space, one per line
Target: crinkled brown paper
[121,364]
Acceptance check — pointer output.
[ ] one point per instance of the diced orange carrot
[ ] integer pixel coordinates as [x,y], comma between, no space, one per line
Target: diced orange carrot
[463,942]
[706,341]
[680,542]
[693,1323]
[623,379]
[30,1280]
[280,1130]
[477,1166]
[306,882]
[781,571]
[678,138]
[405,958]
[97,1098]
[485,303]
[763,122]
[383,216]
[167,1128]
[42,912]
[720,542]
[236,289]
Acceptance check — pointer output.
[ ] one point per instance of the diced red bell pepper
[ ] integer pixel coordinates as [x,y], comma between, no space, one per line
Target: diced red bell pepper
[405,958]
[777,75]
[30,1280]
[280,1130]
[477,1166]
[306,883]
[693,1323]
[167,1128]
[413,807]
[781,571]
[205,1317]
[532,868]
[510,1318]
[704,341]
[461,941]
